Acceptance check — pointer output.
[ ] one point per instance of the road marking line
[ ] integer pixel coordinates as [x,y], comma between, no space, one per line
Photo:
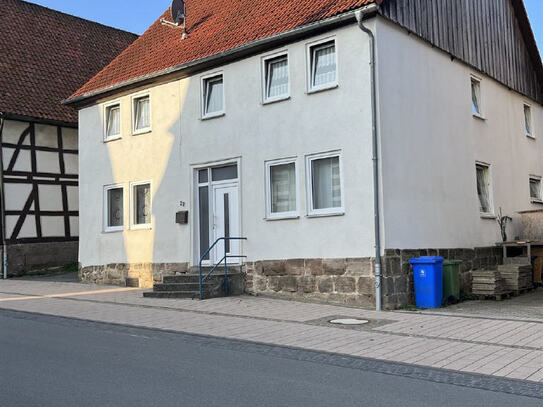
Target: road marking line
[75,294]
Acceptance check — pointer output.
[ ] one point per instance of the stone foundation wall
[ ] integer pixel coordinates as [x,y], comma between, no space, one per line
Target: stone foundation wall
[340,281]
[147,273]
[398,285]
[26,257]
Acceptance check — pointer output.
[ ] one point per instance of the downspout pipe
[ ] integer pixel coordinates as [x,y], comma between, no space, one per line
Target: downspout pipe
[360,14]
[2,205]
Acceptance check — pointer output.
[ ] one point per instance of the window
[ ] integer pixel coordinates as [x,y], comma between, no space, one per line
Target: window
[113,122]
[281,194]
[325,184]
[528,120]
[483,188]
[141,205]
[476,97]
[276,78]
[535,189]
[142,114]
[322,66]
[213,96]
[113,208]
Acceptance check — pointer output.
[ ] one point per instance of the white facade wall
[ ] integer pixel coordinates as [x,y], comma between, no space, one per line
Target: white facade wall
[430,143]
[337,119]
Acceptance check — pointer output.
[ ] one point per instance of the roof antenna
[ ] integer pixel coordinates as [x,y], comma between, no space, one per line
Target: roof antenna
[179,17]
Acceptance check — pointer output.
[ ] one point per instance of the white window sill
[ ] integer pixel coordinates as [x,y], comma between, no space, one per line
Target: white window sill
[141,227]
[536,201]
[479,116]
[271,218]
[488,216]
[141,131]
[323,88]
[117,230]
[213,116]
[325,214]
[530,136]
[275,100]
[113,138]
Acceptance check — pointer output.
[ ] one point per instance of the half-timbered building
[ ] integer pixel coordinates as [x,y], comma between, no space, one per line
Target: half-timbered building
[44,56]
[339,137]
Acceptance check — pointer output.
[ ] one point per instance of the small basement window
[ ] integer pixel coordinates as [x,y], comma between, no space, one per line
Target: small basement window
[276,78]
[142,114]
[476,97]
[535,189]
[113,122]
[113,208]
[322,66]
[528,128]
[483,189]
[213,96]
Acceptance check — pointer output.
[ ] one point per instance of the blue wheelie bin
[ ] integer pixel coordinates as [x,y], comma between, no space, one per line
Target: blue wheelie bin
[428,273]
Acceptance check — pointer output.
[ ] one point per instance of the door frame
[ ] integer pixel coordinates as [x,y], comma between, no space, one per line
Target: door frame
[195,218]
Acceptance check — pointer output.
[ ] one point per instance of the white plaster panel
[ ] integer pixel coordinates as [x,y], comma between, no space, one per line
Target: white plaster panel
[50,197]
[12,131]
[73,198]
[47,162]
[28,230]
[69,138]
[74,226]
[16,195]
[52,226]
[46,135]
[23,162]
[71,163]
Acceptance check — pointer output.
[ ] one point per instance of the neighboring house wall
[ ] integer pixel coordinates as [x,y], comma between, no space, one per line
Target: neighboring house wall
[430,143]
[41,199]
[250,133]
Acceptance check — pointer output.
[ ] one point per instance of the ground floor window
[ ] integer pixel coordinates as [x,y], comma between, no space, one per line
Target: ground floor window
[141,204]
[483,188]
[113,208]
[281,188]
[325,192]
[535,188]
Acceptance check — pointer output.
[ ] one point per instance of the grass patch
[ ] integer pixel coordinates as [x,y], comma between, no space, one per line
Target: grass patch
[68,268]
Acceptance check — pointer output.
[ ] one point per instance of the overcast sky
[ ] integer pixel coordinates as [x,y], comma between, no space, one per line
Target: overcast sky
[137,15]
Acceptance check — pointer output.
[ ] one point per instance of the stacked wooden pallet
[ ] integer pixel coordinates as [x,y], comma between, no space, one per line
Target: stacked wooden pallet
[518,278]
[489,283]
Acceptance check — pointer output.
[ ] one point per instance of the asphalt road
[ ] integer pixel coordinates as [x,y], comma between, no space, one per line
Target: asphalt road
[48,361]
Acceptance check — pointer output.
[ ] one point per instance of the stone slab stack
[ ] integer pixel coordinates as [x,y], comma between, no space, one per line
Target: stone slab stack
[488,283]
[517,277]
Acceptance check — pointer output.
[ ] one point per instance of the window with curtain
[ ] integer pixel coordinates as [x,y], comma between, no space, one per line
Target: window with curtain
[114,208]
[213,95]
[282,188]
[528,120]
[323,65]
[277,78]
[142,113]
[113,121]
[325,183]
[535,188]
[483,188]
[142,204]
[475,96]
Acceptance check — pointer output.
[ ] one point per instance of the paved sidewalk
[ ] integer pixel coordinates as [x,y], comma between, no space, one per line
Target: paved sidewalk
[505,348]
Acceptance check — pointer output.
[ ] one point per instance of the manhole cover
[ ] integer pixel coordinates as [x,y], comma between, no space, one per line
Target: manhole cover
[349,321]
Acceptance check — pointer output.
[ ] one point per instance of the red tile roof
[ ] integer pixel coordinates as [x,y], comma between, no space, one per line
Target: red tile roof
[214,26]
[46,55]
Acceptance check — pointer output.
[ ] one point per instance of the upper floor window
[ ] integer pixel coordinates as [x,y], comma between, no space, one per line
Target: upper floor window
[476,97]
[281,189]
[322,65]
[483,188]
[113,208]
[276,78]
[325,184]
[213,96]
[535,189]
[113,122]
[528,127]
[141,114]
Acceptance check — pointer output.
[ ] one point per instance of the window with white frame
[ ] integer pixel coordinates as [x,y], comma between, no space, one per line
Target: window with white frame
[322,65]
[476,97]
[141,114]
[213,96]
[276,78]
[535,189]
[528,128]
[113,122]
[325,194]
[282,191]
[141,204]
[113,208]
[484,188]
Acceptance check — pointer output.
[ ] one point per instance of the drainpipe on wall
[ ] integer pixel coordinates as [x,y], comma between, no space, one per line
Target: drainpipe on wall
[2,205]
[360,14]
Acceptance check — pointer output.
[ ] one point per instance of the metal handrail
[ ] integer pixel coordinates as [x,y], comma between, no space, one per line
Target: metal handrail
[225,259]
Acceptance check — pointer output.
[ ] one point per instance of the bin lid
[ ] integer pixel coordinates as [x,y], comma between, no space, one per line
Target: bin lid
[451,262]
[426,260]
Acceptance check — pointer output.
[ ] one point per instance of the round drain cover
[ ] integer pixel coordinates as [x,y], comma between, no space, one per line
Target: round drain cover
[349,321]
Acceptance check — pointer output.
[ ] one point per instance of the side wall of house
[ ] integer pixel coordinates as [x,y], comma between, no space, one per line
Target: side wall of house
[430,143]
[331,248]
[41,195]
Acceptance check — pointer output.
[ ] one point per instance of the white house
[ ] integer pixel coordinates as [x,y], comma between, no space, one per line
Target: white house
[339,137]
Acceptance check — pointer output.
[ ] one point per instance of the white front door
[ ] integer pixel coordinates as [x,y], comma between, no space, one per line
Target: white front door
[226,221]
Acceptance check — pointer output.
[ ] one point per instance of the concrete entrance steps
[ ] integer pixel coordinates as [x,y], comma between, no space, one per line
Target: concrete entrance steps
[187,285]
